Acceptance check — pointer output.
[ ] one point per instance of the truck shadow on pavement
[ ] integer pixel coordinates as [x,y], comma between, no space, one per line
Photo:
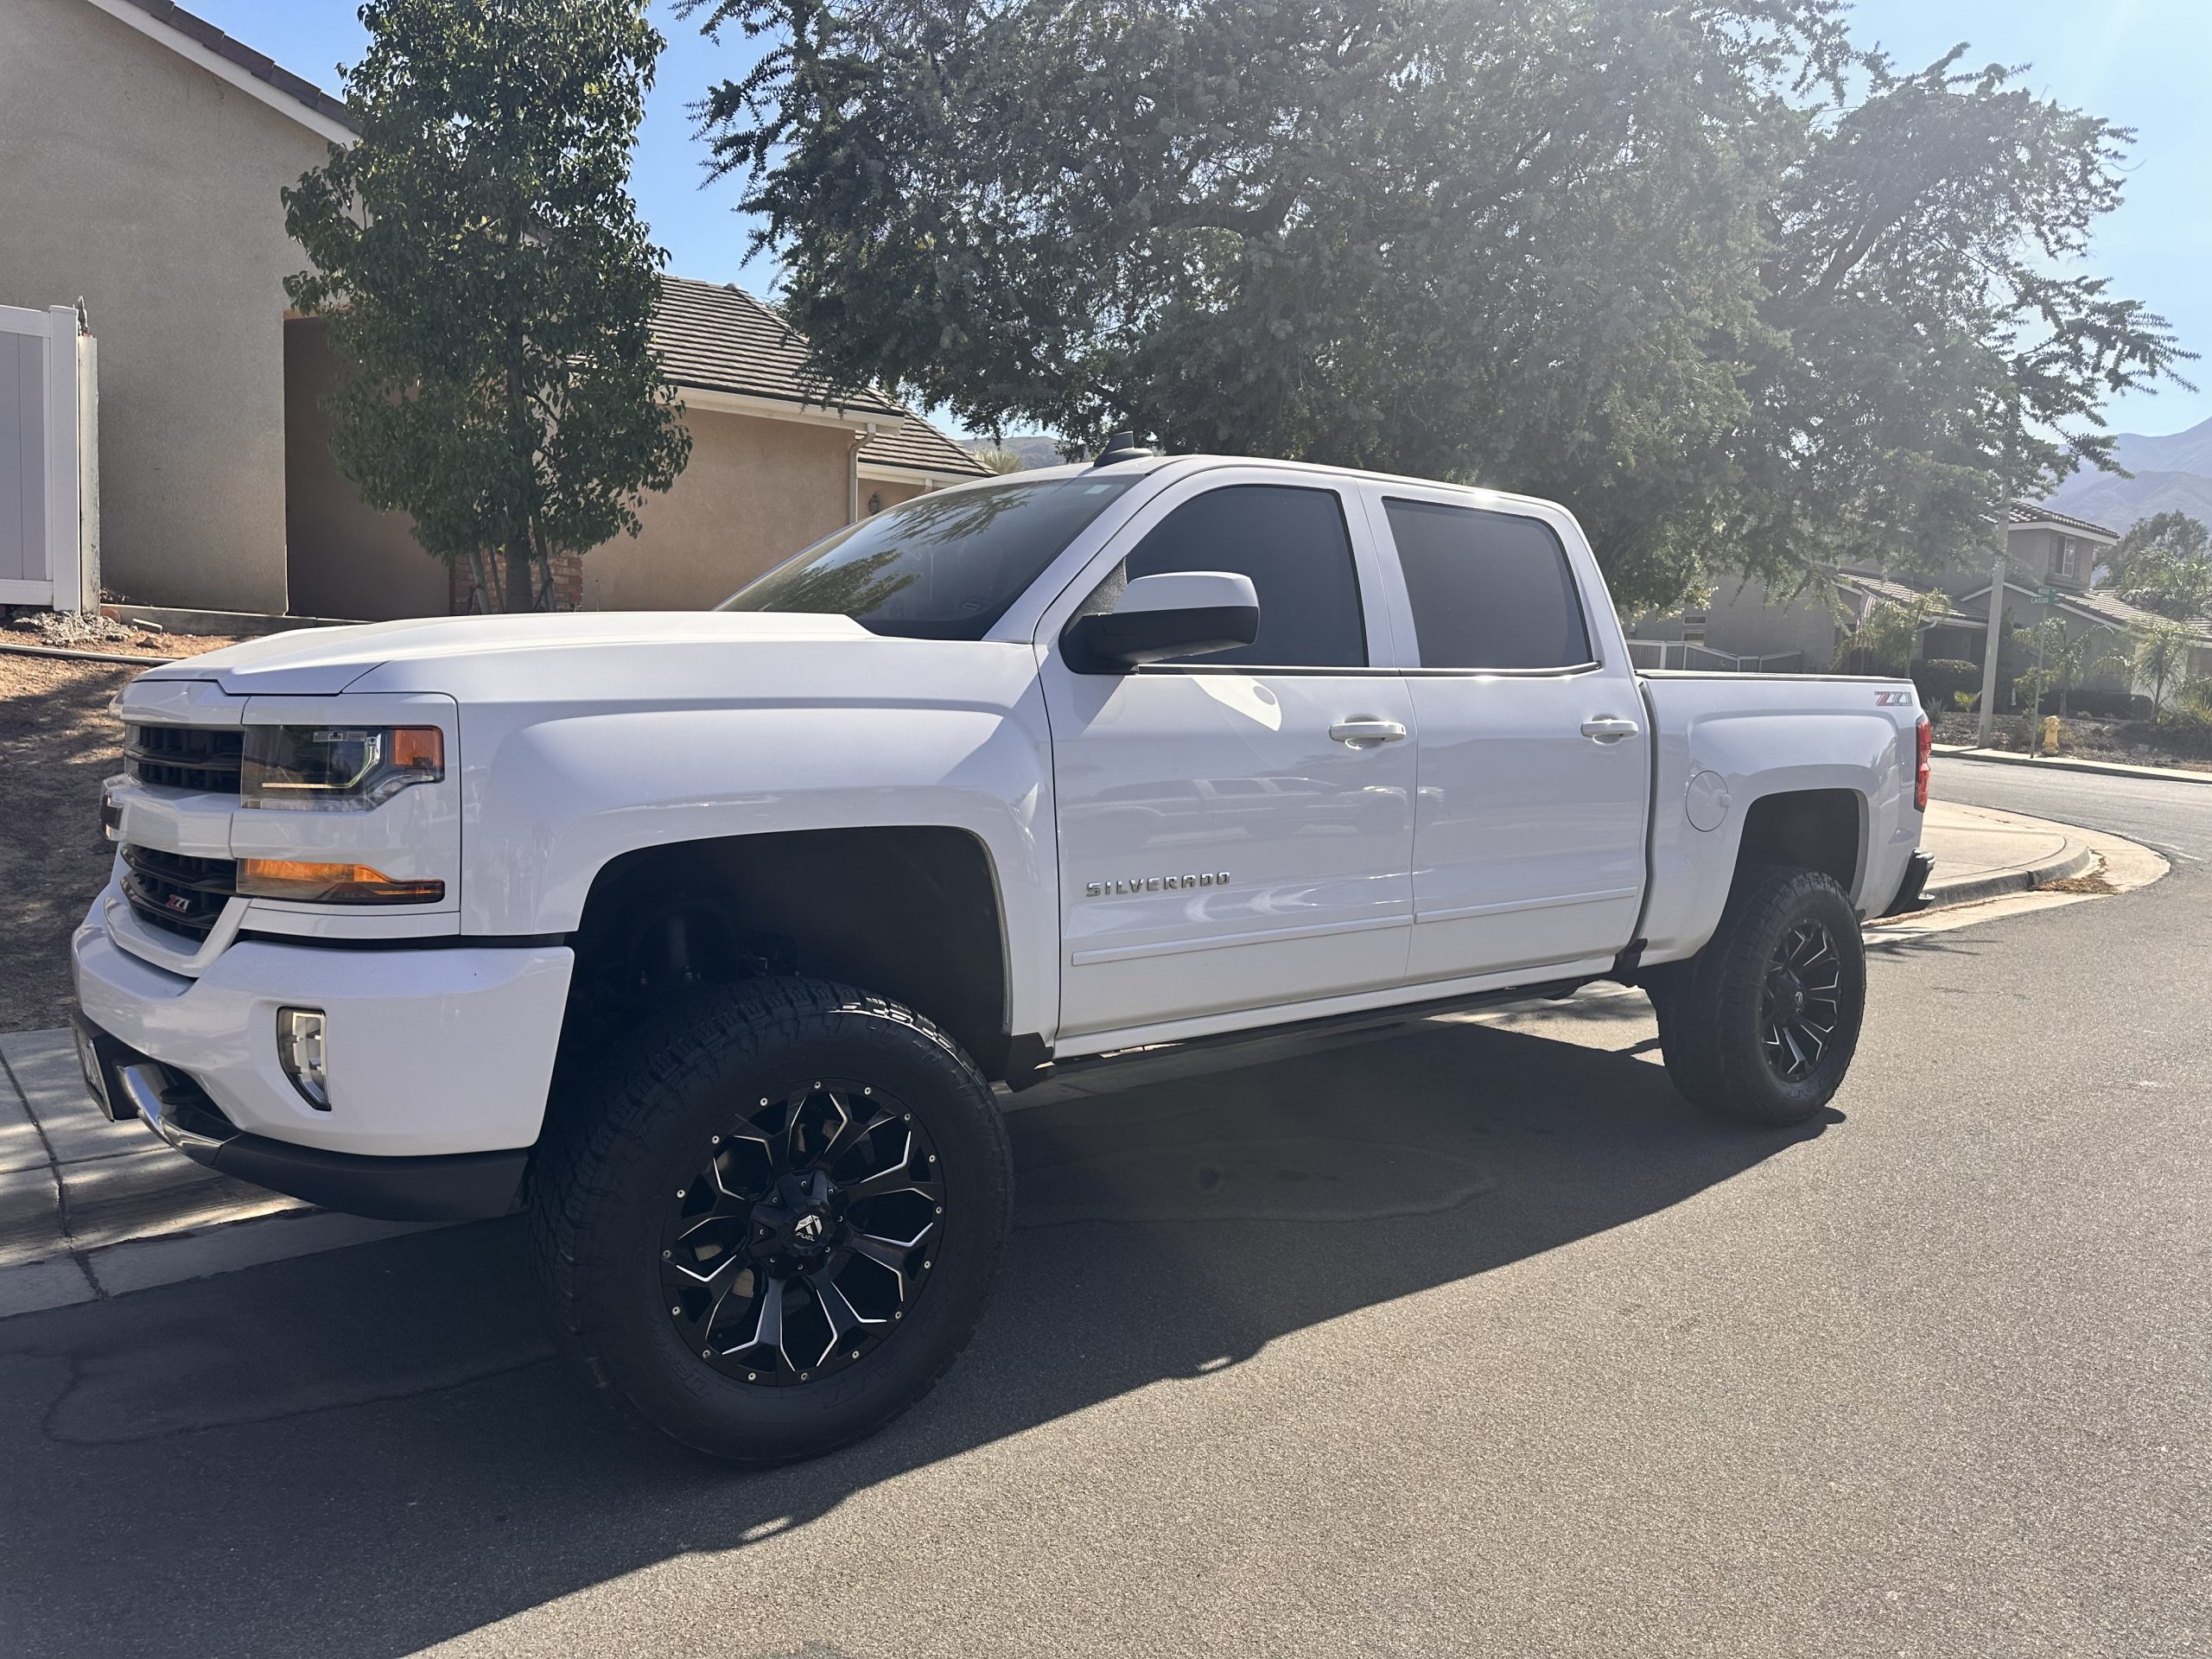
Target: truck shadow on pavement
[368,1452]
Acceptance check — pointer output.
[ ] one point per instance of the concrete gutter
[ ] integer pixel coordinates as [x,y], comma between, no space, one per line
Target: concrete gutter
[2069,762]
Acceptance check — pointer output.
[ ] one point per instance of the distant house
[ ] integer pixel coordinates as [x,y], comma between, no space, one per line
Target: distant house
[144,150]
[1746,626]
[2046,554]
[2050,559]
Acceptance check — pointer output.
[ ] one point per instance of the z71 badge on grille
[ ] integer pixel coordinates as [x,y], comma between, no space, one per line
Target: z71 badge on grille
[1153,884]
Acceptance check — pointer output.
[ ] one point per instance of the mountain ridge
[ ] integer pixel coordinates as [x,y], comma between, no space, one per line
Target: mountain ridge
[2173,474]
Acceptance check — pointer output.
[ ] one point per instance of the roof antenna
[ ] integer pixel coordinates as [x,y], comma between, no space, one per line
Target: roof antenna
[1121,446]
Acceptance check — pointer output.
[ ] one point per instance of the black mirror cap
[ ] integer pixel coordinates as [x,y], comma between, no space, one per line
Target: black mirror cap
[1114,642]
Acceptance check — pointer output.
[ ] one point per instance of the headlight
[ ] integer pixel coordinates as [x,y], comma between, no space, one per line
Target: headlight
[337,768]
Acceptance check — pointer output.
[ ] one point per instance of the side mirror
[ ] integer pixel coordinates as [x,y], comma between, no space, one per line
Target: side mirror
[1183,614]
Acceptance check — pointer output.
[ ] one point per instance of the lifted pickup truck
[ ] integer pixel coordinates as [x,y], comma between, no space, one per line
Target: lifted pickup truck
[705,937]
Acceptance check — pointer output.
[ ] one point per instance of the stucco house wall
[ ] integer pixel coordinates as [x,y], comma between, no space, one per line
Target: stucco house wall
[347,559]
[174,237]
[1746,620]
[756,492]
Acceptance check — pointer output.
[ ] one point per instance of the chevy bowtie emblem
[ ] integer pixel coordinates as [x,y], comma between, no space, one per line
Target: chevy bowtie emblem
[807,1228]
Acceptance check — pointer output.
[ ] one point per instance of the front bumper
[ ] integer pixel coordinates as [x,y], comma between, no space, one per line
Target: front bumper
[457,1186]
[432,1051]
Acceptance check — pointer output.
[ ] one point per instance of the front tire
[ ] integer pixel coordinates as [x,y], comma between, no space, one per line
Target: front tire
[773,1220]
[1762,1024]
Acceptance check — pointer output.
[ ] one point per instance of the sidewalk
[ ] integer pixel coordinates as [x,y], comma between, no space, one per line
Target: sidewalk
[1981,853]
[91,1209]
[2070,763]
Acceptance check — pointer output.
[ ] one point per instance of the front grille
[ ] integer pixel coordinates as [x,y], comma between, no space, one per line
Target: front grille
[185,757]
[177,893]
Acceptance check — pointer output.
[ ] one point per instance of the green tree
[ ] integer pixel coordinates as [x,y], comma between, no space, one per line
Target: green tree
[2163,536]
[2062,659]
[485,271]
[1744,297]
[2159,652]
[998,460]
[2164,565]
[1887,640]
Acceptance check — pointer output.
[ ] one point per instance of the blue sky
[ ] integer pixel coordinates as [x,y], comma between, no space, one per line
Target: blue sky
[2144,63]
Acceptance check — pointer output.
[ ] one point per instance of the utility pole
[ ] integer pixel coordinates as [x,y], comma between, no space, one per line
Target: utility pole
[1990,649]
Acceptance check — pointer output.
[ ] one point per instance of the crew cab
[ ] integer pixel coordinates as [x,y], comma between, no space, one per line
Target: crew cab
[717,941]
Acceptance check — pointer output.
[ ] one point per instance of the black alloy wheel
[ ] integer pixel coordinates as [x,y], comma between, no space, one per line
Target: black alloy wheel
[1801,1007]
[767,1221]
[805,1235]
[1761,1024]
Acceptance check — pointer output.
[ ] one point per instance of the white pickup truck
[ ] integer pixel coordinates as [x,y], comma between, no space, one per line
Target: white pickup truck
[704,937]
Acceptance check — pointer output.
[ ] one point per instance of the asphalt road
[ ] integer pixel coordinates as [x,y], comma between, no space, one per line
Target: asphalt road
[1468,1340]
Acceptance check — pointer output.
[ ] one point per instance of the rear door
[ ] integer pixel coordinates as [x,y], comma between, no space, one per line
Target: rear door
[1535,762]
[1228,839]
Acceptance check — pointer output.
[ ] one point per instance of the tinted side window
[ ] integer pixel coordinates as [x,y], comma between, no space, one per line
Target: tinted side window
[1489,589]
[1293,544]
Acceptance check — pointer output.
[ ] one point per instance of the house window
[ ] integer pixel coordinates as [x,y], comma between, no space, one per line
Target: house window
[2065,563]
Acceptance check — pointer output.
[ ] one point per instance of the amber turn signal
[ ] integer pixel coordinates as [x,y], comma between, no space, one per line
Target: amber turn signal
[331,884]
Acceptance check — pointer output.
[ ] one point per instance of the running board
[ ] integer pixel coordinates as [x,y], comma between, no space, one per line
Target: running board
[1046,1069]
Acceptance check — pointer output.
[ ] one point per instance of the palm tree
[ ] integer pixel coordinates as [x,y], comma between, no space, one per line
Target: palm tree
[2159,651]
[1888,636]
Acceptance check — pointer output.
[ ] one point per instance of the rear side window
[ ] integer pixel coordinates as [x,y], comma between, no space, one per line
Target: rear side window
[1293,544]
[1489,589]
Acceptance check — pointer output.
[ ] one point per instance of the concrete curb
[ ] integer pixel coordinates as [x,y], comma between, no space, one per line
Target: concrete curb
[69,654]
[2065,763]
[1973,890]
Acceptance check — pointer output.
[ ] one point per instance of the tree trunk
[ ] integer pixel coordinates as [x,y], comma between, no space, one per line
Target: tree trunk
[521,588]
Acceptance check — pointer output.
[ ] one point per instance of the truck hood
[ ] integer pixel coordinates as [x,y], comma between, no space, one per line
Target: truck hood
[452,653]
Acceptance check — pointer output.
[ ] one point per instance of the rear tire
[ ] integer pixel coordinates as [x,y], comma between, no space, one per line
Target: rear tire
[772,1218]
[1762,1024]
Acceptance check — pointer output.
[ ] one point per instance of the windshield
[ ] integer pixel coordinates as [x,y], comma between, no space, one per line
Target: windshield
[939,567]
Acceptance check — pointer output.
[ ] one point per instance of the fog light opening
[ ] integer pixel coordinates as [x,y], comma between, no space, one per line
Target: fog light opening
[300,1051]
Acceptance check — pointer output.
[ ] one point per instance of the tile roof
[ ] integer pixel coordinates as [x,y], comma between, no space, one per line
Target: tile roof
[2027,513]
[257,65]
[718,338]
[915,446]
[715,337]
[1898,593]
[2098,605]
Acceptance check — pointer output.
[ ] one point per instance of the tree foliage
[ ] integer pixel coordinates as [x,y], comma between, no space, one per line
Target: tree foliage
[486,276]
[2160,652]
[1887,640]
[2164,564]
[1743,296]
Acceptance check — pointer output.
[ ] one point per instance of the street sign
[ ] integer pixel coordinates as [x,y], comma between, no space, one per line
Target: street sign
[2046,595]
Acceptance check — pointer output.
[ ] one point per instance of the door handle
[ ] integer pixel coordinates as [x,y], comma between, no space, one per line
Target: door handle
[1609,728]
[1364,729]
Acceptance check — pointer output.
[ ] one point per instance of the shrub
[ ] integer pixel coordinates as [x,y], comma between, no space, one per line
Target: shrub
[1941,678]
[2186,730]
[2101,705]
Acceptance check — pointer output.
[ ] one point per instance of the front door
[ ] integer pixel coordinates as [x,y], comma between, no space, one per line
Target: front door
[1535,761]
[1235,829]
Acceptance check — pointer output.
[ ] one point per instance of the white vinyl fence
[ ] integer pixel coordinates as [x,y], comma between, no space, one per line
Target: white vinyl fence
[49,460]
[1679,653]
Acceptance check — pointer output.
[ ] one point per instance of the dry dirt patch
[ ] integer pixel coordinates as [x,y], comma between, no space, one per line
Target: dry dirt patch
[57,741]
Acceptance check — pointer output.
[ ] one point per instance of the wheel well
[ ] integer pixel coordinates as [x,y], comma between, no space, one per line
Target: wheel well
[911,913]
[1811,830]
